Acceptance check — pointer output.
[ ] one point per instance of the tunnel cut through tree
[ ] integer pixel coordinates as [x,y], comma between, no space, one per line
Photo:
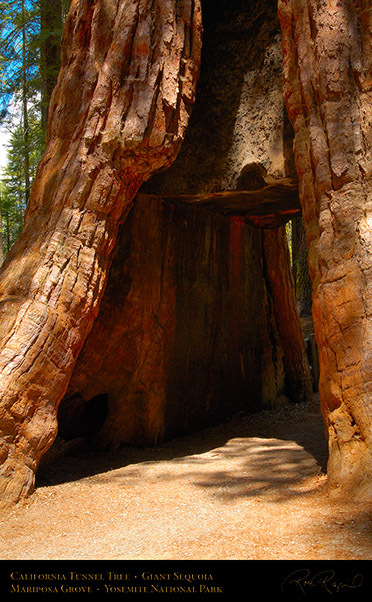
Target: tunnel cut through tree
[198,320]
[118,114]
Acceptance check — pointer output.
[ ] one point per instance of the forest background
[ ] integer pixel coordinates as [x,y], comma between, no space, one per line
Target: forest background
[30,50]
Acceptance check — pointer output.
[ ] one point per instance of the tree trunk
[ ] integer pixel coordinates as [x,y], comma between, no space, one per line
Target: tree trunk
[50,51]
[279,276]
[193,327]
[118,113]
[238,139]
[26,127]
[327,50]
[301,276]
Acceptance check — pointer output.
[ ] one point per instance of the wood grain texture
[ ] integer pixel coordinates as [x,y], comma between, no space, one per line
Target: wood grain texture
[327,80]
[118,114]
[193,327]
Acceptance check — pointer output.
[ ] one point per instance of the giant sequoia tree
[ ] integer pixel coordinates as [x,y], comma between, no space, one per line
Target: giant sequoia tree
[118,114]
[327,51]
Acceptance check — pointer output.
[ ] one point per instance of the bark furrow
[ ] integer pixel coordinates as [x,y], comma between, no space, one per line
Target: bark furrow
[105,137]
[327,67]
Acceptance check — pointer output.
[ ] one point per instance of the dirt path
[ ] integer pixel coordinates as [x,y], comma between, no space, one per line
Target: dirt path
[252,488]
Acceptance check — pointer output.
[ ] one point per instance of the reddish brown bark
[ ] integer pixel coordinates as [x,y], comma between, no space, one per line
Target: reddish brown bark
[327,50]
[270,206]
[117,114]
[193,324]
[193,327]
[279,276]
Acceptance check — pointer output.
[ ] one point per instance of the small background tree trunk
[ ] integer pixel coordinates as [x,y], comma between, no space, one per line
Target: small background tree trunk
[50,50]
[278,270]
[26,126]
[301,276]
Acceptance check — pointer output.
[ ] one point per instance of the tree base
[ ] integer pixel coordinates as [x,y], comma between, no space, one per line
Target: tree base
[17,481]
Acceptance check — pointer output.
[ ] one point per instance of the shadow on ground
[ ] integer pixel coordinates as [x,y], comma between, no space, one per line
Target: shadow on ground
[273,450]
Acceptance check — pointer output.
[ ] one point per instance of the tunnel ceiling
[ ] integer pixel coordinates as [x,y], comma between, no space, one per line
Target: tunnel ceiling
[239,131]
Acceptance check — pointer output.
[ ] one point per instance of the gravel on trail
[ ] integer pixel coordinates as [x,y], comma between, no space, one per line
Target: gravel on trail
[253,487]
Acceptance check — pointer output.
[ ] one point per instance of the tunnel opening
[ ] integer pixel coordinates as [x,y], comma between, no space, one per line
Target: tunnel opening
[78,420]
[79,417]
[198,321]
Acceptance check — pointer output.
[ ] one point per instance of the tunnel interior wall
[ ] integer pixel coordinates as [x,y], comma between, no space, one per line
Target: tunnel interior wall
[189,328]
[186,332]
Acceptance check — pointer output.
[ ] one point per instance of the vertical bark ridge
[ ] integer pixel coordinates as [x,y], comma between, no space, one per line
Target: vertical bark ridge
[327,68]
[98,153]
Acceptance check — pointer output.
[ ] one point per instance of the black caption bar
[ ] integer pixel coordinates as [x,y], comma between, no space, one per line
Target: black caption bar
[112,580]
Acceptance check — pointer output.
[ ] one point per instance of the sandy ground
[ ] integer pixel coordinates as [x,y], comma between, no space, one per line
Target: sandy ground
[251,488]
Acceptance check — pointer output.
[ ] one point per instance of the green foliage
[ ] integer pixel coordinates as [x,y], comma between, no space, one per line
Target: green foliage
[25,74]
[19,85]
[19,50]
[13,185]
[65,7]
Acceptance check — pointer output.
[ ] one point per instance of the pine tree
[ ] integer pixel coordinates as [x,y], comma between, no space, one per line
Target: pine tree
[300,268]
[50,51]
[20,79]
[14,188]
[30,35]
